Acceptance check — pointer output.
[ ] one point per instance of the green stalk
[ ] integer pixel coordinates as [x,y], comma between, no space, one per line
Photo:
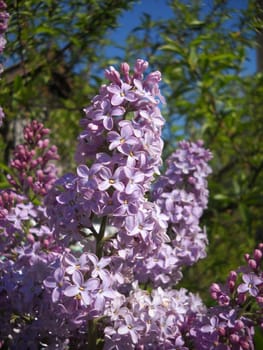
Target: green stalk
[92,335]
[100,236]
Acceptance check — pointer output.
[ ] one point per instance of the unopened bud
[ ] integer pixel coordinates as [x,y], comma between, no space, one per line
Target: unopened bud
[247,257]
[31,238]
[239,325]
[244,345]
[125,68]
[113,75]
[257,254]
[221,331]
[252,264]
[234,338]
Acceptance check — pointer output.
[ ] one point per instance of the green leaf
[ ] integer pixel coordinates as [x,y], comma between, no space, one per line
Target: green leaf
[196,24]
[220,197]
[193,58]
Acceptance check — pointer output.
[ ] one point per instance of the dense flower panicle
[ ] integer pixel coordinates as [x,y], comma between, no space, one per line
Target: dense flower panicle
[229,325]
[122,137]
[182,195]
[104,208]
[96,260]
[26,243]
[31,162]
[153,320]
[124,116]
[106,201]
[8,199]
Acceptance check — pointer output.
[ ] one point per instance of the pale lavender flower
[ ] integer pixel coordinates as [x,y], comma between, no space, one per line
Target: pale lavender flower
[135,180]
[131,327]
[118,140]
[108,179]
[99,266]
[142,93]
[251,283]
[104,294]
[212,326]
[121,93]
[107,113]
[76,264]
[56,282]
[126,204]
[139,224]
[82,289]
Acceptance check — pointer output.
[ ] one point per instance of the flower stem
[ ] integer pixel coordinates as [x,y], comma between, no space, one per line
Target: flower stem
[92,335]
[100,236]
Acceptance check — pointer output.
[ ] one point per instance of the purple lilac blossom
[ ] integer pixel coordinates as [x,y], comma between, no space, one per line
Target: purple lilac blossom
[32,161]
[229,325]
[250,284]
[98,258]
[182,195]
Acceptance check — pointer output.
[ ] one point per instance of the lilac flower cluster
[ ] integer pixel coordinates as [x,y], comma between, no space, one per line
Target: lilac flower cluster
[26,245]
[91,260]
[32,162]
[106,207]
[22,215]
[182,194]
[122,143]
[230,324]
[152,320]
[4,17]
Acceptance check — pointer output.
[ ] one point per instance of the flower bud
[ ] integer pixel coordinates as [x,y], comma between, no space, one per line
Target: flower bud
[252,264]
[113,75]
[239,325]
[31,238]
[221,331]
[257,254]
[246,256]
[234,338]
[125,68]
[244,345]
[140,67]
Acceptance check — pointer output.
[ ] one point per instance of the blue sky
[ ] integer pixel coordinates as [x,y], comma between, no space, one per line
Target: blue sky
[158,9]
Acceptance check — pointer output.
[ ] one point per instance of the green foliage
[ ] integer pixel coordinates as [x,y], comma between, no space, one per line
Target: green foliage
[54,51]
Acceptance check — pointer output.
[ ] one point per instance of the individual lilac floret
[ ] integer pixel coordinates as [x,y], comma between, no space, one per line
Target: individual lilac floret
[57,283]
[251,283]
[121,93]
[76,264]
[82,289]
